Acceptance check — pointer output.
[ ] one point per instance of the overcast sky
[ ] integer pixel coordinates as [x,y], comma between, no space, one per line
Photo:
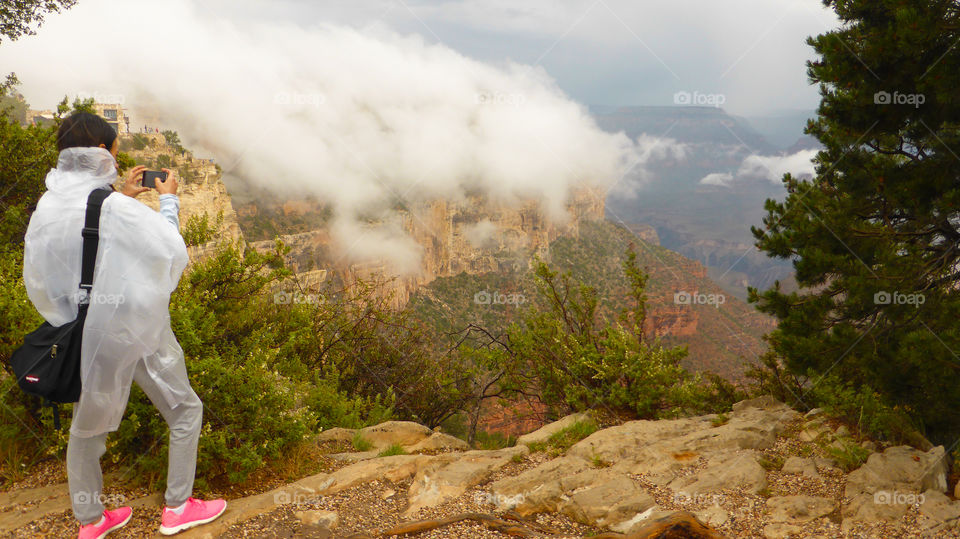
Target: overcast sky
[752,53]
[610,52]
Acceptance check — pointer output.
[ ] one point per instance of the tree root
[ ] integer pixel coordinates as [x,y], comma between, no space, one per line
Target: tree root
[679,525]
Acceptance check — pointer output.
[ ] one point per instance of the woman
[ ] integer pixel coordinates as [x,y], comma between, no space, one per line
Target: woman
[127,336]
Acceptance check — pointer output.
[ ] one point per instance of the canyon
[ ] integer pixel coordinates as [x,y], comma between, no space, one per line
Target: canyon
[478,237]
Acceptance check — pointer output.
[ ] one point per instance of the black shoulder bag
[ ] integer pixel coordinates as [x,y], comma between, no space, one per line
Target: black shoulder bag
[48,363]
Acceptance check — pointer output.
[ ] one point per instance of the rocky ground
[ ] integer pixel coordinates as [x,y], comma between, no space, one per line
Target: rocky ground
[761,470]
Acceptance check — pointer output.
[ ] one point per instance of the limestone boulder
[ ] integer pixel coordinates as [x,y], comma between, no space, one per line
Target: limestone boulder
[336,434]
[726,471]
[938,513]
[892,481]
[606,499]
[545,432]
[538,489]
[405,433]
[393,468]
[439,441]
[449,475]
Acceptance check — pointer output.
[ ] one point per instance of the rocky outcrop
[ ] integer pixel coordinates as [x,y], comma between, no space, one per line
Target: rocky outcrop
[891,482]
[456,236]
[663,452]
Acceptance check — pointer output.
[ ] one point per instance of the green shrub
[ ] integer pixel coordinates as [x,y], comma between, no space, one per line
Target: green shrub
[577,360]
[198,229]
[771,463]
[393,449]
[849,455]
[493,440]
[360,443]
[722,419]
[567,436]
[139,142]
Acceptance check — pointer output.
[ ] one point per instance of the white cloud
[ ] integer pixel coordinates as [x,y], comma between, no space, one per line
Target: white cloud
[773,168]
[721,179]
[358,119]
[480,234]
[648,150]
[766,167]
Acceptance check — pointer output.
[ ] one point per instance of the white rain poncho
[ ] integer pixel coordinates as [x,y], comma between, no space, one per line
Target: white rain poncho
[139,262]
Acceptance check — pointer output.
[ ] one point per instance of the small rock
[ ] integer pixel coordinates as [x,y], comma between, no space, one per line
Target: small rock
[826,464]
[813,413]
[813,431]
[869,445]
[798,509]
[317,517]
[780,530]
[842,432]
[800,465]
[714,515]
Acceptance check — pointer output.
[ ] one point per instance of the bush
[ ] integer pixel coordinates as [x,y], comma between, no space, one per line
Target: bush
[139,142]
[854,404]
[576,360]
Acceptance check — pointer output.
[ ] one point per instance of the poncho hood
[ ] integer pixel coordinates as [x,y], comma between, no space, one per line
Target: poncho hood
[80,170]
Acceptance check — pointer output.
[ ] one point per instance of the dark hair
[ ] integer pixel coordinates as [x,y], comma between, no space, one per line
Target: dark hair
[83,129]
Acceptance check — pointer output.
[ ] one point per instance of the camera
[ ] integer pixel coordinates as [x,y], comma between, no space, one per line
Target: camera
[150,178]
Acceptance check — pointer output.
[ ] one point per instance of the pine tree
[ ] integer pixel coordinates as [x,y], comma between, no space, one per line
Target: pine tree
[874,235]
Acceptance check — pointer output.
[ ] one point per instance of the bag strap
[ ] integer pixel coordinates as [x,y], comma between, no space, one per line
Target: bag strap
[56,413]
[91,240]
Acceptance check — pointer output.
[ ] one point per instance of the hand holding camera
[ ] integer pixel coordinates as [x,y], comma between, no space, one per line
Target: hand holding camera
[140,180]
[164,181]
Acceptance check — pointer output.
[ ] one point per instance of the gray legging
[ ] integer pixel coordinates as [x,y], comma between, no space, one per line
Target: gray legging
[83,454]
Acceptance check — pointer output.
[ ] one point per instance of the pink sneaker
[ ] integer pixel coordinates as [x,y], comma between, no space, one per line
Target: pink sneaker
[194,514]
[112,520]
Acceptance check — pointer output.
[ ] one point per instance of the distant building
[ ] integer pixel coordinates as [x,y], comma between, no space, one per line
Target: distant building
[115,116]
[40,117]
